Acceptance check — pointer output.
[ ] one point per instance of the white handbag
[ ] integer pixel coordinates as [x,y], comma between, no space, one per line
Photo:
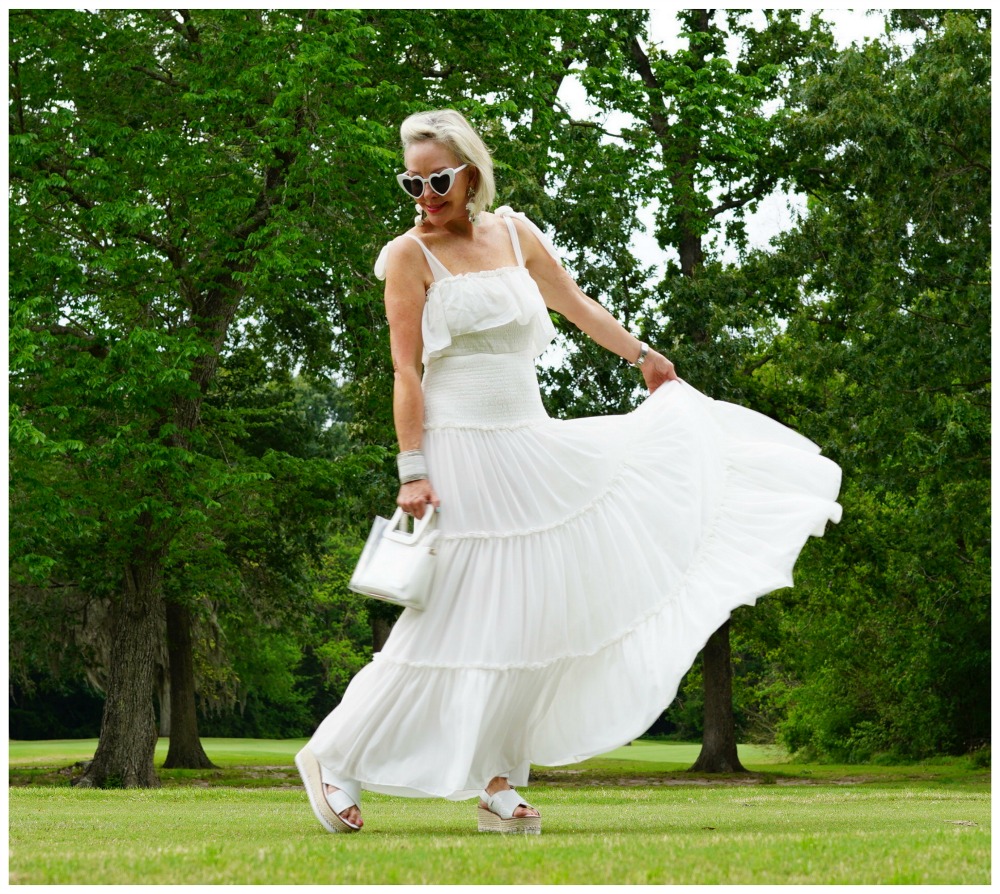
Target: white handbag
[397,565]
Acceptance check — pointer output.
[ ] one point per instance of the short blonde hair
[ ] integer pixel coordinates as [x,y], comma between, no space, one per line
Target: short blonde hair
[451,129]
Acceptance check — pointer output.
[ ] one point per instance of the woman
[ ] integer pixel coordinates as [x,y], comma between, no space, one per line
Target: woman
[582,564]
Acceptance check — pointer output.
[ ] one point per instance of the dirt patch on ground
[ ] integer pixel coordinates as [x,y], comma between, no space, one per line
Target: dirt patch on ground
[282,776]
[581,778]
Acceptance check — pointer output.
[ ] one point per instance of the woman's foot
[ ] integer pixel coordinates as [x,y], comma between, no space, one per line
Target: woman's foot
[336,810]
[500,784]
[502,809]
[351,816]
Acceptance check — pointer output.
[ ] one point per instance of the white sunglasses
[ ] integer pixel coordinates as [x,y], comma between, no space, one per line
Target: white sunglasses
[440,181]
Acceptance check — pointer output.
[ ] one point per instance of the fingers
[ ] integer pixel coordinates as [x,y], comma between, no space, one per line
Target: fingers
[414,498]
[412,507]
[419,510]
[657,370]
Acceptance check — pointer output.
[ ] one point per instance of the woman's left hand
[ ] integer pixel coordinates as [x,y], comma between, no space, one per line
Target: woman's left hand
[656,370]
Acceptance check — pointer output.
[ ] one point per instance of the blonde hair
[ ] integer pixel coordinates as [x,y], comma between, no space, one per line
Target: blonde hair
[450,128]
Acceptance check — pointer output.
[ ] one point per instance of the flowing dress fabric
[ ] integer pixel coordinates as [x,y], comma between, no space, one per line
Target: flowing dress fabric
[582,564]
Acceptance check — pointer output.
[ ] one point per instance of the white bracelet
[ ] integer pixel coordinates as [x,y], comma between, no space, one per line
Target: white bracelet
[411,465]
[643,351]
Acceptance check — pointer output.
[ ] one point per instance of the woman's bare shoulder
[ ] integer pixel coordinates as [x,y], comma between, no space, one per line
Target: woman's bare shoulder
[405,240]
[405,247]
[405,267]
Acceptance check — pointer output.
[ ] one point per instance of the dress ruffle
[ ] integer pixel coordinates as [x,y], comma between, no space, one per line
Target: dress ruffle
[470,303]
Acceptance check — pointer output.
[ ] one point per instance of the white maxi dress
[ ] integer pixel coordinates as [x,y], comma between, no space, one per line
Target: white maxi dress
[582,565]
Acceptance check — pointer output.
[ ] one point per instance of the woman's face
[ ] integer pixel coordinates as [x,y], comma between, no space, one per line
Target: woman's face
[430,157]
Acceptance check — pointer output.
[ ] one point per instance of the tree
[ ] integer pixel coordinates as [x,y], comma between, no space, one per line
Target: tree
[186,185]
[171,176]
[887,360]
[702,145]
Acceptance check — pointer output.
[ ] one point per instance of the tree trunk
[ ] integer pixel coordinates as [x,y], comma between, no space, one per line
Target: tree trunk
[124,757]
[381,628]
[682,141]
[163,699]
[185,752]
[718,746]
[691,253]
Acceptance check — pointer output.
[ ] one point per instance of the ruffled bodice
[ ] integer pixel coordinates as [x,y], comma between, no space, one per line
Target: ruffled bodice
[481,304]
[496,311]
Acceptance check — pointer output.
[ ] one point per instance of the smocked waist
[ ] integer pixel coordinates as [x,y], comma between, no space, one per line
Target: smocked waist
[482,391]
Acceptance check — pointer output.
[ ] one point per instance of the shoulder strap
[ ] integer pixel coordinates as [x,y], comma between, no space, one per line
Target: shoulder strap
[437,268]
[506,212]
[514,240]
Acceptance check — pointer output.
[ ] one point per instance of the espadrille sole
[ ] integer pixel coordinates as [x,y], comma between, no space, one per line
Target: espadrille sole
[523,825]
[312,779]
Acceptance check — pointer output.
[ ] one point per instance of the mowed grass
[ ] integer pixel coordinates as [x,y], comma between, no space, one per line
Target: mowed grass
[630,817]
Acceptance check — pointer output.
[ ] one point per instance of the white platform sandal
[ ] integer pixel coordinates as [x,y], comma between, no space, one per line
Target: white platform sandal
[498,814]
[326,807]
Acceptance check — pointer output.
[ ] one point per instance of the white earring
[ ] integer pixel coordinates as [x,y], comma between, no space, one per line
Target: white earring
[418,221]
[473,214]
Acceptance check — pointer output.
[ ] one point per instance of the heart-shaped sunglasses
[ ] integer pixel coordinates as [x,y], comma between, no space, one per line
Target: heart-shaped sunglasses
[440,181]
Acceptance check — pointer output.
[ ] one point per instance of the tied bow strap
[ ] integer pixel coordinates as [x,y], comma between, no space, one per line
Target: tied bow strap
[380,264]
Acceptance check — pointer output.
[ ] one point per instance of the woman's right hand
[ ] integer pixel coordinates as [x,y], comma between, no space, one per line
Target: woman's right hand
[414,497]
[656,370]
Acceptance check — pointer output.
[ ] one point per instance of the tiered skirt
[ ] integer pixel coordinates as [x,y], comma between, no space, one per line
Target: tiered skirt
[583,565]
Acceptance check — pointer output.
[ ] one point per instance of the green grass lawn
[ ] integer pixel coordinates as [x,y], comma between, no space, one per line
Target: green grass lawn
[629,817]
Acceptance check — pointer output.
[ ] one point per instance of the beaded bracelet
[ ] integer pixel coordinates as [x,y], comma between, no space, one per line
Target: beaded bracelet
[411,465]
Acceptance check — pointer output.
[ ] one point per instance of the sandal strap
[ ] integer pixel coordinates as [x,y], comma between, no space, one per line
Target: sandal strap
[339,801]
[504,803]
[351,786]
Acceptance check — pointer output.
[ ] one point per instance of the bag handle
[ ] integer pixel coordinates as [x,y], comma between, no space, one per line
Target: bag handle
[420,526]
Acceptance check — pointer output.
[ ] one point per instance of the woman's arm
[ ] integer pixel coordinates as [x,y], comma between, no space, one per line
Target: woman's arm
[405,293]
[563,295]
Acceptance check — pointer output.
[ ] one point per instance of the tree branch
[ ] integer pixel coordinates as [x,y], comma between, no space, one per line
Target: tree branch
[592,125]
[162,78]
[940,388]
[929,319]
[185,27]
[750,368]
[94,346]
[970,162]
[731,202]
[657,120]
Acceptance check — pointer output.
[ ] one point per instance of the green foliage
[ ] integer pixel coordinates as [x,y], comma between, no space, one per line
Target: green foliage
[890,354]
[704,140]
[342,628]
[171,214]
[197,199]
[866,328]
